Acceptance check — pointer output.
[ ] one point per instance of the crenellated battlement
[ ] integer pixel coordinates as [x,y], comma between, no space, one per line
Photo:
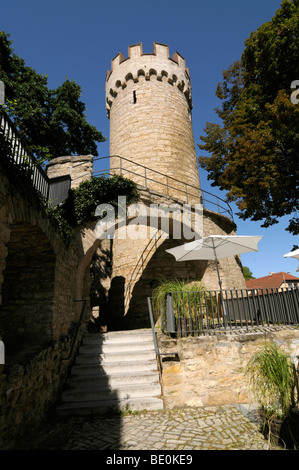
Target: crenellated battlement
[139,65]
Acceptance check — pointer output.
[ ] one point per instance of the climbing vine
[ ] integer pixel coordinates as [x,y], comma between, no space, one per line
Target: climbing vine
[81,204]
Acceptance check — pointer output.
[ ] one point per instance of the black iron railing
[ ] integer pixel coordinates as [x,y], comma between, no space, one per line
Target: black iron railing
[194,313]
[78,325]
[168,184]
[17,152]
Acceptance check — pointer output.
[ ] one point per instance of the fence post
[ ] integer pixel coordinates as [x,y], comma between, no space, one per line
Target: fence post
[153,325]
[296,306]
[169,314]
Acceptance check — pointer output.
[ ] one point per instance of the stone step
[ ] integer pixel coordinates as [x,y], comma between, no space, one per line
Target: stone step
[100,407]
[105,393]
[106,348]
[115,380]
[115,357]
[114,368]
[133,336]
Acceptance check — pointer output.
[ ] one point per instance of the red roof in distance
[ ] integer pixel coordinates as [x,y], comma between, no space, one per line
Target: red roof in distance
[271,281]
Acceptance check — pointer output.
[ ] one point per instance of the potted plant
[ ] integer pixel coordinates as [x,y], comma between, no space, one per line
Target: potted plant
[273,380]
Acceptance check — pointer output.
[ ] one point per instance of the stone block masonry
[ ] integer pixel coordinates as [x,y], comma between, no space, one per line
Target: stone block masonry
[38,284]
[210,370]
[149,104]
[80,168]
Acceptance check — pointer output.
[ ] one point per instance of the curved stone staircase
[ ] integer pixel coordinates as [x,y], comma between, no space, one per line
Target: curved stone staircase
[113,371]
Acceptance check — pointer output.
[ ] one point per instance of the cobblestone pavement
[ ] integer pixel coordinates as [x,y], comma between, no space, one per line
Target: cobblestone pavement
[207,428]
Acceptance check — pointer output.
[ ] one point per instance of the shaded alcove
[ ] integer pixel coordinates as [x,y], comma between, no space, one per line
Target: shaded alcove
[27,291]
[99,276]
[161,265]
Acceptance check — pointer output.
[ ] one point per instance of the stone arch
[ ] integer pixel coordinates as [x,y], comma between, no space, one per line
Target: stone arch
[159,265]
[130,283]
[152,72]
[112,93]
[128,77]
[181,85]
[82,281]
[92,277]
[109,102]
[36,274]
[141,73]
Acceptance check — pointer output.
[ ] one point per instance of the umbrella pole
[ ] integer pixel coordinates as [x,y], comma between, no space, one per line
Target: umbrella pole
[219,280]
[216,260]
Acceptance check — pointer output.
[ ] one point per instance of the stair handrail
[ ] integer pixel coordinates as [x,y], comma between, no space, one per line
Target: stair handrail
[157,351]
[78,324]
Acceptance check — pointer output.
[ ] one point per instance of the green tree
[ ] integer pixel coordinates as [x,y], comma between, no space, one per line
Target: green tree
[46,119]
[247,273]
[254,153]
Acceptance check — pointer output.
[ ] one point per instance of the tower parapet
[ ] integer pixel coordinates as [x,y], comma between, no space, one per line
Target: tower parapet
[148,100]
[157,65]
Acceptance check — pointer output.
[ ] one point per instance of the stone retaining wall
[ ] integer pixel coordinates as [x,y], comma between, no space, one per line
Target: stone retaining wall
[210,369]
[28,388]
[38,284]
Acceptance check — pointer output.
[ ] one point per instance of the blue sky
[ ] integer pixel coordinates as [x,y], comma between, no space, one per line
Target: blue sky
[77,39]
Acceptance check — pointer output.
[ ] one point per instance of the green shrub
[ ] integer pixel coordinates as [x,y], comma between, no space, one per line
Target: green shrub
[82,202]
[272,381]
[186,293]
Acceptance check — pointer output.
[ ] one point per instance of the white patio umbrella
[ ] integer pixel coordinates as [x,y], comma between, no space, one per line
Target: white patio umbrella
[215,247]
[293,254]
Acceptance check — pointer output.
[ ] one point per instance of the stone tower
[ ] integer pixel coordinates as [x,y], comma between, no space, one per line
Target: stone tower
[148,101]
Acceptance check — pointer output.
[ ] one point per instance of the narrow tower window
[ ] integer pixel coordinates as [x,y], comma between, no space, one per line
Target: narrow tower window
[134,97]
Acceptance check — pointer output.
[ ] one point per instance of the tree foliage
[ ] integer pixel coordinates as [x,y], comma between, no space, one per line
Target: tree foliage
[254,153]
[46,119]
[247,273]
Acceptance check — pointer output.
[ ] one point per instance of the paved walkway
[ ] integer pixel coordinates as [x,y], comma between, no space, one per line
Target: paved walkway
[207,428]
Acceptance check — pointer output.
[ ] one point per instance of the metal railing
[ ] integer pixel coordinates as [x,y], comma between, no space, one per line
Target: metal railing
[205,312]
[157,351]
[167,183]
[145,256]
[53,190]
[77,329]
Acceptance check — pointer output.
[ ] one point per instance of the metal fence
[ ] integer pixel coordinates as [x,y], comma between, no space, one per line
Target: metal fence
[194,313]
[16,151]
[167,183]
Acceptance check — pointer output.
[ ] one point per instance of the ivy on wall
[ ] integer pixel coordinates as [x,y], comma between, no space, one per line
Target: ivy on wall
[82,202]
